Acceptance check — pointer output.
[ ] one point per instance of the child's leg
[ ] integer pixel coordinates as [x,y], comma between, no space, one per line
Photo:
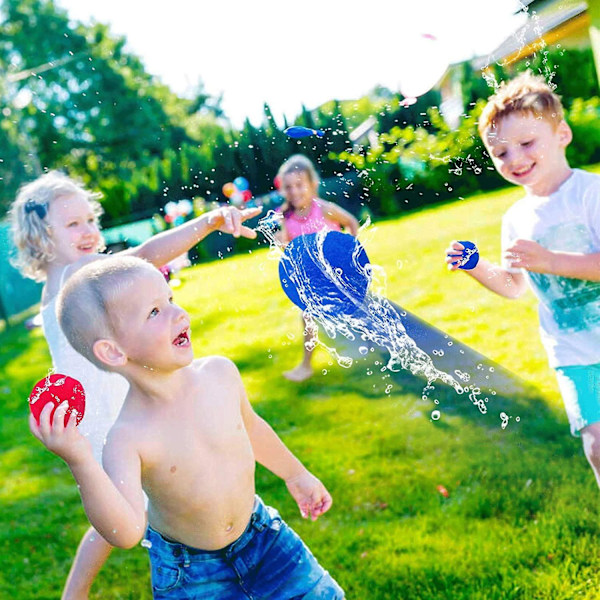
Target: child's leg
[304,370]
[590,436]
[580,389]
[91,554]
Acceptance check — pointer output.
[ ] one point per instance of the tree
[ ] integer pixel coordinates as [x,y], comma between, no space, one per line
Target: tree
[98,106]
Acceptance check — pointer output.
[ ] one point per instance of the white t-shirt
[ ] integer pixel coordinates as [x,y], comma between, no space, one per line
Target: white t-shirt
[569,309]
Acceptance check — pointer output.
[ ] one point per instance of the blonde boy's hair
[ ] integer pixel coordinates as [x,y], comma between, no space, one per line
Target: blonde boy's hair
[29,222]
[526,94]
[88,303]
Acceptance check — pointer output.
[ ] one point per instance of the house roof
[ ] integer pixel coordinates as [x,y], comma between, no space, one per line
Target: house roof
[518,45]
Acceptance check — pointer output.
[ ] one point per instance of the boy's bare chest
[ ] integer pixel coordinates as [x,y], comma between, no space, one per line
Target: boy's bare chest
[196,442]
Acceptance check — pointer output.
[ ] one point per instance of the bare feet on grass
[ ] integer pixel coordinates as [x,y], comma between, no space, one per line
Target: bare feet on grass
[299,373]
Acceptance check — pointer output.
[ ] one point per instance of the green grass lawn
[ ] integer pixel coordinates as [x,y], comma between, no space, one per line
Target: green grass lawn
[521,518]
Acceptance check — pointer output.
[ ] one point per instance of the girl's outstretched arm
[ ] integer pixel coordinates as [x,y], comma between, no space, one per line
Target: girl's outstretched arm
[334,212]
[167,245]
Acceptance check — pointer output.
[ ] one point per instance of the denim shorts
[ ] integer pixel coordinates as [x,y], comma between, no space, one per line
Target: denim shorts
[580,389]
[267,562]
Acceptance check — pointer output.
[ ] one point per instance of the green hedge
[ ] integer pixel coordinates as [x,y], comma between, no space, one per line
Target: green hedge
[417,166]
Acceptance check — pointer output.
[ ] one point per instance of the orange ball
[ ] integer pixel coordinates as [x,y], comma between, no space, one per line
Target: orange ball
[229,189]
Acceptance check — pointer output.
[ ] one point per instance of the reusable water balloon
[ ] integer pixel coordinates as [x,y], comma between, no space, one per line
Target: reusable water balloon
[326,272]
[271,222]
[57,388]
[468,258]
[299,132]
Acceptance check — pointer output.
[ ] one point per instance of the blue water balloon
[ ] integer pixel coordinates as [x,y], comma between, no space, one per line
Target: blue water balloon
[468,258]
[299,132]
[326,272]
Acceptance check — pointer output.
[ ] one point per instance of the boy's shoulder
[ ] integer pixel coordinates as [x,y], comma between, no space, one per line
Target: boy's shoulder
[215,365]
[587,180]
[582,186]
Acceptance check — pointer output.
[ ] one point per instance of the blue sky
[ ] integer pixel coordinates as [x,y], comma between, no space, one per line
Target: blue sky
[289,53]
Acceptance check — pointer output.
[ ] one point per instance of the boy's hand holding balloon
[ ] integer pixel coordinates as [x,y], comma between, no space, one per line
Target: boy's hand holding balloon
[57,405]
[53,390]
[462,255]
[230,219]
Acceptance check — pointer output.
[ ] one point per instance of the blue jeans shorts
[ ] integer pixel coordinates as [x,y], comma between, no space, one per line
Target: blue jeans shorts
[267,562]
[580,389]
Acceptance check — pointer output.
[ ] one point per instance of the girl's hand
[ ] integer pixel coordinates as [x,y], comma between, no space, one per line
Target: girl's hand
[229,219]
[65,442]
[453,255]
[310,494]
[526,254]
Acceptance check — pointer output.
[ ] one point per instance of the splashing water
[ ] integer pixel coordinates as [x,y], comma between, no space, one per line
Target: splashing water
[344,308]
[531,33]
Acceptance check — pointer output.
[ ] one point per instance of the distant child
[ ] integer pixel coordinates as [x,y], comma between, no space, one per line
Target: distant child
[550,240]
[304,212]
[189,438]
[55,229]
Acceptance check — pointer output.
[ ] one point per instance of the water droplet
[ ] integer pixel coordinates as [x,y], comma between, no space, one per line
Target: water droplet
[363,350]
[435,415]
[146,544]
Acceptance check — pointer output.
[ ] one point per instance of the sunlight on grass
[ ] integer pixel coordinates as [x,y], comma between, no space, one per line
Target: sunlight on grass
[520,519]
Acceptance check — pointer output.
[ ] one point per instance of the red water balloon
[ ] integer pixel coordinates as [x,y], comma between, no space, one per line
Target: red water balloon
[57,388]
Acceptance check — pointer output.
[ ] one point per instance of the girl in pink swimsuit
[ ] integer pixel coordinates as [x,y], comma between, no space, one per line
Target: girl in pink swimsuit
[303,212]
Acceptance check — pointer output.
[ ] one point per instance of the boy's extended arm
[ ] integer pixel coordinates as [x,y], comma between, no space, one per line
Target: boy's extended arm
[167,245]
[310,494]
[498,280]
[119,521]
[493,277]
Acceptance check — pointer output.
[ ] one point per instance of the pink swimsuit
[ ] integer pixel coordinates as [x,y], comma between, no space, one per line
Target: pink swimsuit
[314,221]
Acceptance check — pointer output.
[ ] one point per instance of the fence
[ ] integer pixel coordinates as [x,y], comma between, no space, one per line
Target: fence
[16,293]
